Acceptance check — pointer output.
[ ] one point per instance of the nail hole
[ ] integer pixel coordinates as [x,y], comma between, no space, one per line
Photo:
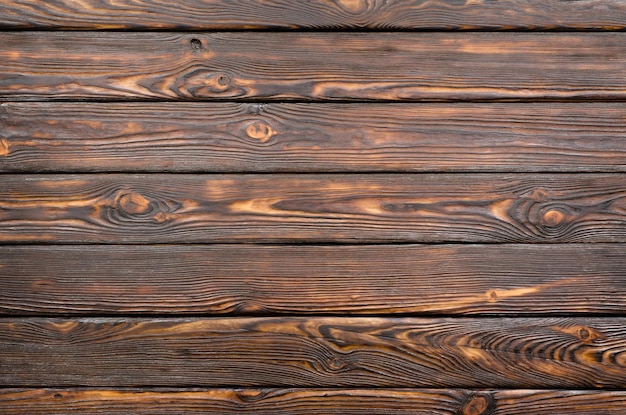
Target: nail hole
[58,396]
[196,45]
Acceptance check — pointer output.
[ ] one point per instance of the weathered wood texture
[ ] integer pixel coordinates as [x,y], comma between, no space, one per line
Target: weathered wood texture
[312,66]
[250,279]
[315,352]
[311,401]
[313,14]
[230,137]
[387,207]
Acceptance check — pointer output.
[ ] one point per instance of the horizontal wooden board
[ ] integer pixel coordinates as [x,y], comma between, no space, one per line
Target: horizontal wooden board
[311,401]
[312,66]
[313,14]
[232,137]
[339,208]
[315,352]
[363,279]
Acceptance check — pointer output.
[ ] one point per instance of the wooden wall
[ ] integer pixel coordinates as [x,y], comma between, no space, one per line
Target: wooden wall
[313,207]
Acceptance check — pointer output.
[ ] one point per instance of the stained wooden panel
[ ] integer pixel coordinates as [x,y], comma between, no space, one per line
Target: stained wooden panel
[315,352]
[314,14]
[265,208]
[253,279]
[311,401]
[230,137]
[312,66]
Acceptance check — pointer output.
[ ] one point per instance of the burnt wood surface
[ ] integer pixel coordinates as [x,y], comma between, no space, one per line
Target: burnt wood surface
[251,137]
[300,279]
[311,401]
[313,14]
[313,207]
[312,66]
[114,208]
[316,352]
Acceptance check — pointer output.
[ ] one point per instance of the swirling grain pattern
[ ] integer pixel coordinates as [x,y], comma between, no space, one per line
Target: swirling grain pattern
[315,352]
[264,208]
[231,137]
[313,14]
[363,279]
[312,66]
[311,401]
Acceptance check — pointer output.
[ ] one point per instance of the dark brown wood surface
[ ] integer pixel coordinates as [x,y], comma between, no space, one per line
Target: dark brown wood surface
[313,207]
[313,14]
[113,208]
[311,401]
[315,352]
[230,137]
[362,279]
[312,66]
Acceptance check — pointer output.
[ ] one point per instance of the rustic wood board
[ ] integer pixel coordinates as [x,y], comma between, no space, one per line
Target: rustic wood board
[362,279]
[313,14]
[312,66]
[311,401]
[156,208]
[313,137]
[315,352]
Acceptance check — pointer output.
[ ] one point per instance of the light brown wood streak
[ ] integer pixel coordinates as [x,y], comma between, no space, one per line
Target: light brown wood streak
[315,352]
[312,66]
[315,401]
[265,208]
[313,14]
[363,279]
[231,137]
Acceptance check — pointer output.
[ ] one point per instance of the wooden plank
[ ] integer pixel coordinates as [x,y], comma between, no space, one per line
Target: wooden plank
[312,66]
[313,14]
[315,352]
[263,280]
[311,401]
[232,137]
[339,208]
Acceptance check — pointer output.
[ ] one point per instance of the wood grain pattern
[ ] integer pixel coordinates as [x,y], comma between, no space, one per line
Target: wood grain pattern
[311,401]
[315,352]
[232,137]
[263,280]
[313,14]
[270,208]
[312,66]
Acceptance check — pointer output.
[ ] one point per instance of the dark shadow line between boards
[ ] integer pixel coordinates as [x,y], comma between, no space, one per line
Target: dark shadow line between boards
[329,29]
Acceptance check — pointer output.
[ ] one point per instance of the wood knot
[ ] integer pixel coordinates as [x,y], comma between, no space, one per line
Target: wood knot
[161,217]
[492,296]
[134,203]
[553,218]
[222,81]
[196,45]
[260,131]
[478,404]
[4,147]
[584,334]
[134,208]
[556,220]
[336,363]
